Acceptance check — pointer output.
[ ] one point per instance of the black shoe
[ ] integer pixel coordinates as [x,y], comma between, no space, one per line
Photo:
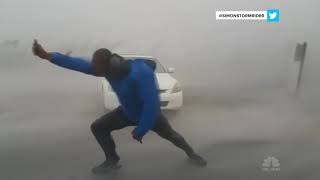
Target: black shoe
[197,160]
[106,167]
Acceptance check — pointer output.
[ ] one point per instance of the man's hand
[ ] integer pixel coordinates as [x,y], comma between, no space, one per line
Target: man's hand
[135,137]
[38,50]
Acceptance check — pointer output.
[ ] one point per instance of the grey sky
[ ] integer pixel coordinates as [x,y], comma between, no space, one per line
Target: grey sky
[183,34]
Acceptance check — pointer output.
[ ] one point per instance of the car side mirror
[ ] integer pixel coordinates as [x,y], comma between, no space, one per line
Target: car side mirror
[170,70]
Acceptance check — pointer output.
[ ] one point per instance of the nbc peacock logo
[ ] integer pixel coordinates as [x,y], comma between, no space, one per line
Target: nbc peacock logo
[271,164]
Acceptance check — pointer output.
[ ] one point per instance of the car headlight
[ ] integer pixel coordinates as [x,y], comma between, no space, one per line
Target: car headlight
[176,88]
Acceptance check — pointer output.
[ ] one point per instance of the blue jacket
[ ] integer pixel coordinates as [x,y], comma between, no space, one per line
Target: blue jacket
[137,92]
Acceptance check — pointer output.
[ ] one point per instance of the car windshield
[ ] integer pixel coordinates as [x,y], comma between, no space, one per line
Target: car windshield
[159,67]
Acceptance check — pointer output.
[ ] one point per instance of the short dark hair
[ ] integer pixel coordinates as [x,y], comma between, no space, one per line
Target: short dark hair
[103,53]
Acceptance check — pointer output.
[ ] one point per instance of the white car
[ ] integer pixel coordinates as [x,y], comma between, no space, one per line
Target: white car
[169,88]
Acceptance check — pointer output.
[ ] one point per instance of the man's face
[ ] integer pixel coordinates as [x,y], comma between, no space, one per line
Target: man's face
[99,62]
[99,66]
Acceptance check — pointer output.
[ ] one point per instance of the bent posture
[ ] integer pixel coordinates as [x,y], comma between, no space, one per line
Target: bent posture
[135,85]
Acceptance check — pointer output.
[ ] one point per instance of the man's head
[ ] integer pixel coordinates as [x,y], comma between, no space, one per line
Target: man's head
[101,61]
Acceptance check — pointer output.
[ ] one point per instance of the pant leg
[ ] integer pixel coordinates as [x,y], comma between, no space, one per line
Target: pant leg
[164,130]
[102,128]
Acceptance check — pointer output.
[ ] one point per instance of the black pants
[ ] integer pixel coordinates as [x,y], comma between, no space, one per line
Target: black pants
[115,120]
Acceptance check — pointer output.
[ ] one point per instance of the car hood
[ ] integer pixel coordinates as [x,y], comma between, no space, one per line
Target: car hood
[165,81]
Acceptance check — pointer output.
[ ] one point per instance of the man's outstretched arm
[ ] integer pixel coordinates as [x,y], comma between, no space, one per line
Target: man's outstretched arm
[72,63]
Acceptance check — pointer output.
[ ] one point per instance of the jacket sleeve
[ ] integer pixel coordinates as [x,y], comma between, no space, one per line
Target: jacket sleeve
[148,92]
[72,63]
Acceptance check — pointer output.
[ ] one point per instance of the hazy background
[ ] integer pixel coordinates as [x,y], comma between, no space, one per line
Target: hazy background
[233,73]
[183,34]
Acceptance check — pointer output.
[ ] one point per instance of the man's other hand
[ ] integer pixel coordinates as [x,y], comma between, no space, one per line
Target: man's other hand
[38,50]
[135,137]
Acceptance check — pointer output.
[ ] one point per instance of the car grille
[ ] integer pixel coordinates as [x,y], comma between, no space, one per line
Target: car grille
[164,103]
